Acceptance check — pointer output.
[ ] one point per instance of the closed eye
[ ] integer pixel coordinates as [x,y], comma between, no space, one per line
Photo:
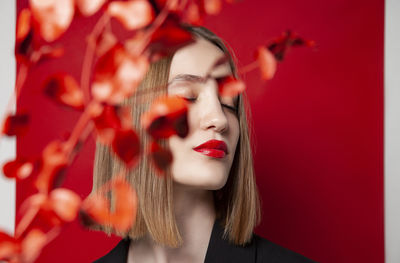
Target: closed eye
[232,108]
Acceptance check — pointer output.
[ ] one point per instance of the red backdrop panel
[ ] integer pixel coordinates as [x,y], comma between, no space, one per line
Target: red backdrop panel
[318,128]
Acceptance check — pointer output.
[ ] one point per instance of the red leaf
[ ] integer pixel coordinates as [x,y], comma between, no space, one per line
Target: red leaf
[32,245]
[167,116]
[105,42]
[51,52]
[23,24]
[89,7]
[54,161]
[170,37]
[65,203]
[63,89]
[52,17]
[281,45]
[109,119]
[20,168]
[96,207]
[16,124]
[9,247]
[134,14]
[230,87]
[266,62]
[194,15]
[125,205]
[212,7]
[161,157]
[126,146]
[117,75]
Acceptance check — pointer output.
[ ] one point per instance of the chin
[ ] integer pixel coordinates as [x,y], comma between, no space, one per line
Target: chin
[208,182]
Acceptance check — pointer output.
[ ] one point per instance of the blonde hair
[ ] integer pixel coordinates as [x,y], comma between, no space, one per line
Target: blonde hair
[237,203]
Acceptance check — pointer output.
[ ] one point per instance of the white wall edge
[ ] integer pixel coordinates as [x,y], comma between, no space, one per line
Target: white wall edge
[392,131]
[7,80]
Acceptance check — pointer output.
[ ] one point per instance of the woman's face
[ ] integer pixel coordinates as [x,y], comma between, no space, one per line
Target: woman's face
[202,159]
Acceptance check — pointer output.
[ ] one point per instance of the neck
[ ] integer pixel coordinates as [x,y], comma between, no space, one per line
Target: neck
[195,215]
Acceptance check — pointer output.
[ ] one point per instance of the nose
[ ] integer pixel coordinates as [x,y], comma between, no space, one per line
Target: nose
[213,116]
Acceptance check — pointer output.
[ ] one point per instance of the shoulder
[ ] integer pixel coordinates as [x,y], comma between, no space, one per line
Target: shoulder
[268,251]
[118,254]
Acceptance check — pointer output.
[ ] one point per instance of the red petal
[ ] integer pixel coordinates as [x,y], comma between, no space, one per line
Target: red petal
[20,168]
[194,15]
[54,161]
[23,24]
[16,124]
[109,119]
[32,245]
[105,42]
[162,158]
[134,14]
[63,89]
[170,37]
[167,116]
[230,87]
[126,146]
[52,17]
[267,63]
[280,45]
[9,247]
[65,203]
[212,7]
[125,206]
[117,75]
[96,207]
[89,7]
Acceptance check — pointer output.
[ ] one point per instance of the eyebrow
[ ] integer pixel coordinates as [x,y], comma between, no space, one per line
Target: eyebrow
[188,77]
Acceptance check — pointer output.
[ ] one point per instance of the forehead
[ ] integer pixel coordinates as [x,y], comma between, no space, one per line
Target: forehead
[197,59]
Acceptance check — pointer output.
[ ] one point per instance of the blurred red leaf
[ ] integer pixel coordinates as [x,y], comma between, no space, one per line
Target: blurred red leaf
[109,119]
[17,124]
[23,24]
[89,7]
[54,162]
[281,45]
[52,17]
[169,37]
[193,15]
[19,168]
[212,7]
[96,208]
[167,116]
[161,157]
[229,86]
[117,75]
[134,14]
[32,245]
[9,247]
[64,89]
[105,42]
[126,146]
[65,203]
[160,4]
[48,52]
[267,63]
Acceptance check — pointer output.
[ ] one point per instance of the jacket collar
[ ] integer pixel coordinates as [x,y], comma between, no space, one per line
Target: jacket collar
[219,249]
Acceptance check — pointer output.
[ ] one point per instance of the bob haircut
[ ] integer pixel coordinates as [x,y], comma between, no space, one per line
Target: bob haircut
[237,204]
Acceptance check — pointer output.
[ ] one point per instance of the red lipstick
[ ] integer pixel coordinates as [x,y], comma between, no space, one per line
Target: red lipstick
[213,148]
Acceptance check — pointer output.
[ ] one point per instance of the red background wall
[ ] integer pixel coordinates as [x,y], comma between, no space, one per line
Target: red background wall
[318,128]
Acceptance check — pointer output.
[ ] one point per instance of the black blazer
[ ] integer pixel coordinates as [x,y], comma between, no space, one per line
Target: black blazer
[220,251]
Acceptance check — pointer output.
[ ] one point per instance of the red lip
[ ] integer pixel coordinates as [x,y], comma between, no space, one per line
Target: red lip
[213,148]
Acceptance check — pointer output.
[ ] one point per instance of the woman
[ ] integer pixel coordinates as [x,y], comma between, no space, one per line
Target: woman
[206,210]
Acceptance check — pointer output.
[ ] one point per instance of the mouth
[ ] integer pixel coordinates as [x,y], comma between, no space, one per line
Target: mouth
[213,148]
